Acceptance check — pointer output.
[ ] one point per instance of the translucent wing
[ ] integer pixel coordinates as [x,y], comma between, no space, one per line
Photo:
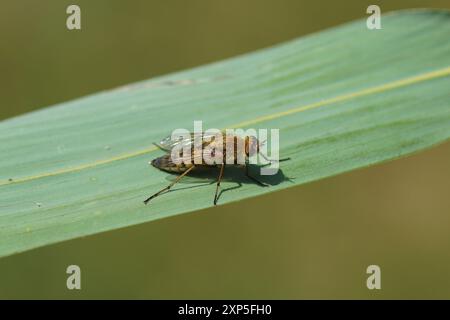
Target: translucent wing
[168,144]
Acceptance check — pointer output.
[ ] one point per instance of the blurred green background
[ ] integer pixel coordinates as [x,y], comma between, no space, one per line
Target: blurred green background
[311,241]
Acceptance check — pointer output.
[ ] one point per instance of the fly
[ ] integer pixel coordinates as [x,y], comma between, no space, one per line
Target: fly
[251,146]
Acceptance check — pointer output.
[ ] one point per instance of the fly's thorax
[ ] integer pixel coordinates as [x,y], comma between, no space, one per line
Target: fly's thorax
[234,150]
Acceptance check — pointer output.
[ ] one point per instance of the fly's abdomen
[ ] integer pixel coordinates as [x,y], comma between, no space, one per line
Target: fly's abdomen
[165,163]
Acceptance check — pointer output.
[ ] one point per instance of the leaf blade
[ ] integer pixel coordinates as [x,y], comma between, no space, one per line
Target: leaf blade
[335,115]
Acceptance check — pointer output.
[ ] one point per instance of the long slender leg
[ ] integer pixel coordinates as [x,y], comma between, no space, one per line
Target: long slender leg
[169,186]
[273,160]
[253,178]
[218,182]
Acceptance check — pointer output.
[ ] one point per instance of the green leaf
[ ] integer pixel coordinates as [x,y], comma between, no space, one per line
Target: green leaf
[343,99]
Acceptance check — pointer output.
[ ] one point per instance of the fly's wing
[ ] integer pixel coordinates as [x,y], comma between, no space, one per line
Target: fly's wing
[212,148]
[168,144]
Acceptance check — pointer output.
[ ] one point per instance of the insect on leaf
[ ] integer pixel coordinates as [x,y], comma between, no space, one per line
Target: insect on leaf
[344,98]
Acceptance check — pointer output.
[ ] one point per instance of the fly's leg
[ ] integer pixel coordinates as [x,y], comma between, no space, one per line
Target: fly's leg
[262,184]
[169,186]
[218,182]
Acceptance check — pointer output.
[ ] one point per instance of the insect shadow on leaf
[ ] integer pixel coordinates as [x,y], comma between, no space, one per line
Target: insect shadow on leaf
[205,177]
